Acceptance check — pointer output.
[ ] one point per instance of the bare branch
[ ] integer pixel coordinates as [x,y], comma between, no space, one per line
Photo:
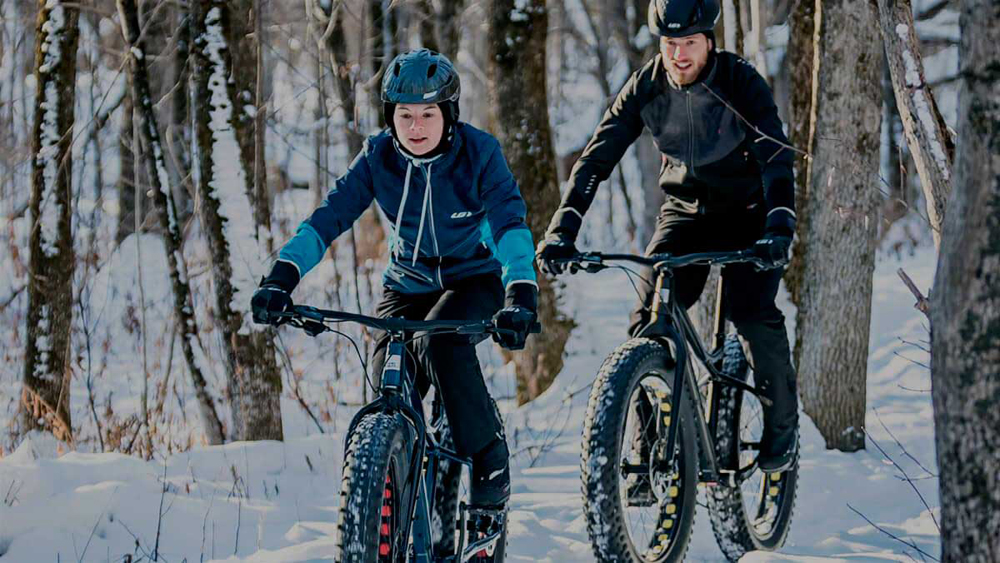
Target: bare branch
[922,304]
[909,544]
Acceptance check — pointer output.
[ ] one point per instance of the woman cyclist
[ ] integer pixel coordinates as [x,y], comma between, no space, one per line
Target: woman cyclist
[459,248]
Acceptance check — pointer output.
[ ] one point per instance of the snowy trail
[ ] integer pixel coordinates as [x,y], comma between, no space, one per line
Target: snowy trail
[279,501]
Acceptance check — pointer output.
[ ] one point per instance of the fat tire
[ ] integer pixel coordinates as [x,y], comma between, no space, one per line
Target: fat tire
[607,413]
[730,522]
[377,443]
[446,488]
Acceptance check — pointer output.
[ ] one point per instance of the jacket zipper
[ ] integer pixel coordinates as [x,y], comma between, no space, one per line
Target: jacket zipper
[690,136]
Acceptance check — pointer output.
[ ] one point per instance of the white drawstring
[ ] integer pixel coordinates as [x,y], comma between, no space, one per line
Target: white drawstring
[423,215]
[397,241]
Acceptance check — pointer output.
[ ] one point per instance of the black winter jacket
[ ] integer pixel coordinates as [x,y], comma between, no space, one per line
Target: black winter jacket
[712,157]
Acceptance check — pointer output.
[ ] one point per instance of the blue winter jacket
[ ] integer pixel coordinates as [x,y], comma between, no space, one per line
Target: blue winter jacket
[450,217]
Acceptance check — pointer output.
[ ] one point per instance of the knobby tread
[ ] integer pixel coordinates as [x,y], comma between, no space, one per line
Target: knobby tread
[730,522]
[603,426]
[377,439]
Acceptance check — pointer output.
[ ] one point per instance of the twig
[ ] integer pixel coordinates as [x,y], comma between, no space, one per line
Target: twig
[922,304]
[921,364]
[907,478]
[96,523]
[921,347]
[904,388]
[159,513]
[901,448]
[910,544]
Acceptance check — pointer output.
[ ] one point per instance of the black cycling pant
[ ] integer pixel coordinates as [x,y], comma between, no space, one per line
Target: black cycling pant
[749,294]
[449,360]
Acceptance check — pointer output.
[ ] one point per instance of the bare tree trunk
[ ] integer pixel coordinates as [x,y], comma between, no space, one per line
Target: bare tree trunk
[254,381]
[965,307]
[47,372]
[926,132]
[518,90]
[156,169]
[370,233]
[241,33]
[428,29]
[449,27]
[834,314]
[179,131]
[801,61]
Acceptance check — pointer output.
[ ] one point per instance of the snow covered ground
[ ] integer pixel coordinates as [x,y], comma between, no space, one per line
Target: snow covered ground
[279,501]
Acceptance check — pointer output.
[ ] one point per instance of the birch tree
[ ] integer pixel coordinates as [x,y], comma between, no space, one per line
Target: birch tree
[926,132]
[47,373]
[517,75]
[156,169]
[838,239]
[965,306]
[235,238]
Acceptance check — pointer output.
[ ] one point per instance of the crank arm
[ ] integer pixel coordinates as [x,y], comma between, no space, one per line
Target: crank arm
[487,544]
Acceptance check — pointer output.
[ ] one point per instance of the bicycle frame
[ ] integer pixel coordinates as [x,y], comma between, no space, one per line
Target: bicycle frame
[397,394]
[670,323]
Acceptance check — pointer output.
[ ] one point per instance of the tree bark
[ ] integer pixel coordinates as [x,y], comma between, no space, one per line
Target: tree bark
[156,170]
[449,26]
[47,373]
[834,314]
[801,61]
[517,75]
[926,132]
[253,378]
[965,307]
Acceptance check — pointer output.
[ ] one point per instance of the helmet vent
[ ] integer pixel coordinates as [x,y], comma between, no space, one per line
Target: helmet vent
[395,70]
[432,70]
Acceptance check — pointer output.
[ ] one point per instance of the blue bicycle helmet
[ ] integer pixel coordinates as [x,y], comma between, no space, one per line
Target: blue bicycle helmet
[421,76]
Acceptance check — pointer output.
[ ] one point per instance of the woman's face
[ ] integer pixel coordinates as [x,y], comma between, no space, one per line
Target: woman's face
[419,127]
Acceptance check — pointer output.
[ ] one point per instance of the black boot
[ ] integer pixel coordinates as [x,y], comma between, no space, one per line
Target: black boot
[775,377]
[491,475]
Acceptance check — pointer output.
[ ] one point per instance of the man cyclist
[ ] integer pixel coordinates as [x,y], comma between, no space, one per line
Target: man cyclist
[459,249]
[727,174]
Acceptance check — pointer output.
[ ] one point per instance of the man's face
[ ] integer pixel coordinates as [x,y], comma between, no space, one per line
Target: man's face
[419,127]
[684,57]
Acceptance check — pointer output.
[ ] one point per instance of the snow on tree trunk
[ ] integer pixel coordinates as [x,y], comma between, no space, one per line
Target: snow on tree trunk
[47,372]
[254,381]
[965,307]
[156,169]
[926,132]
[518,91]
[838,242]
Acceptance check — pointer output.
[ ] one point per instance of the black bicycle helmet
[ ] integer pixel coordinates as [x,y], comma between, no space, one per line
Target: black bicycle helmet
[421,76]
[680,18]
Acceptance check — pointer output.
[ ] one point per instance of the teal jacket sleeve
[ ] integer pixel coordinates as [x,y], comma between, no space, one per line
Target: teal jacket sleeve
[351,194]
[505,214]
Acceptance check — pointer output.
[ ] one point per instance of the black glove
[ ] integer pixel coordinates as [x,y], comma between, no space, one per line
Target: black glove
[518,314]
[772,250]
[554,247]
[273,297]
[773,247]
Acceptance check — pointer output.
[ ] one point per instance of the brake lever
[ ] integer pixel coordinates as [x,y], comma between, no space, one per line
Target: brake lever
[313,328]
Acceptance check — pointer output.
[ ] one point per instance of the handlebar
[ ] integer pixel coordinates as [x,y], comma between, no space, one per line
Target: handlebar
[313,321]
[592,262]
